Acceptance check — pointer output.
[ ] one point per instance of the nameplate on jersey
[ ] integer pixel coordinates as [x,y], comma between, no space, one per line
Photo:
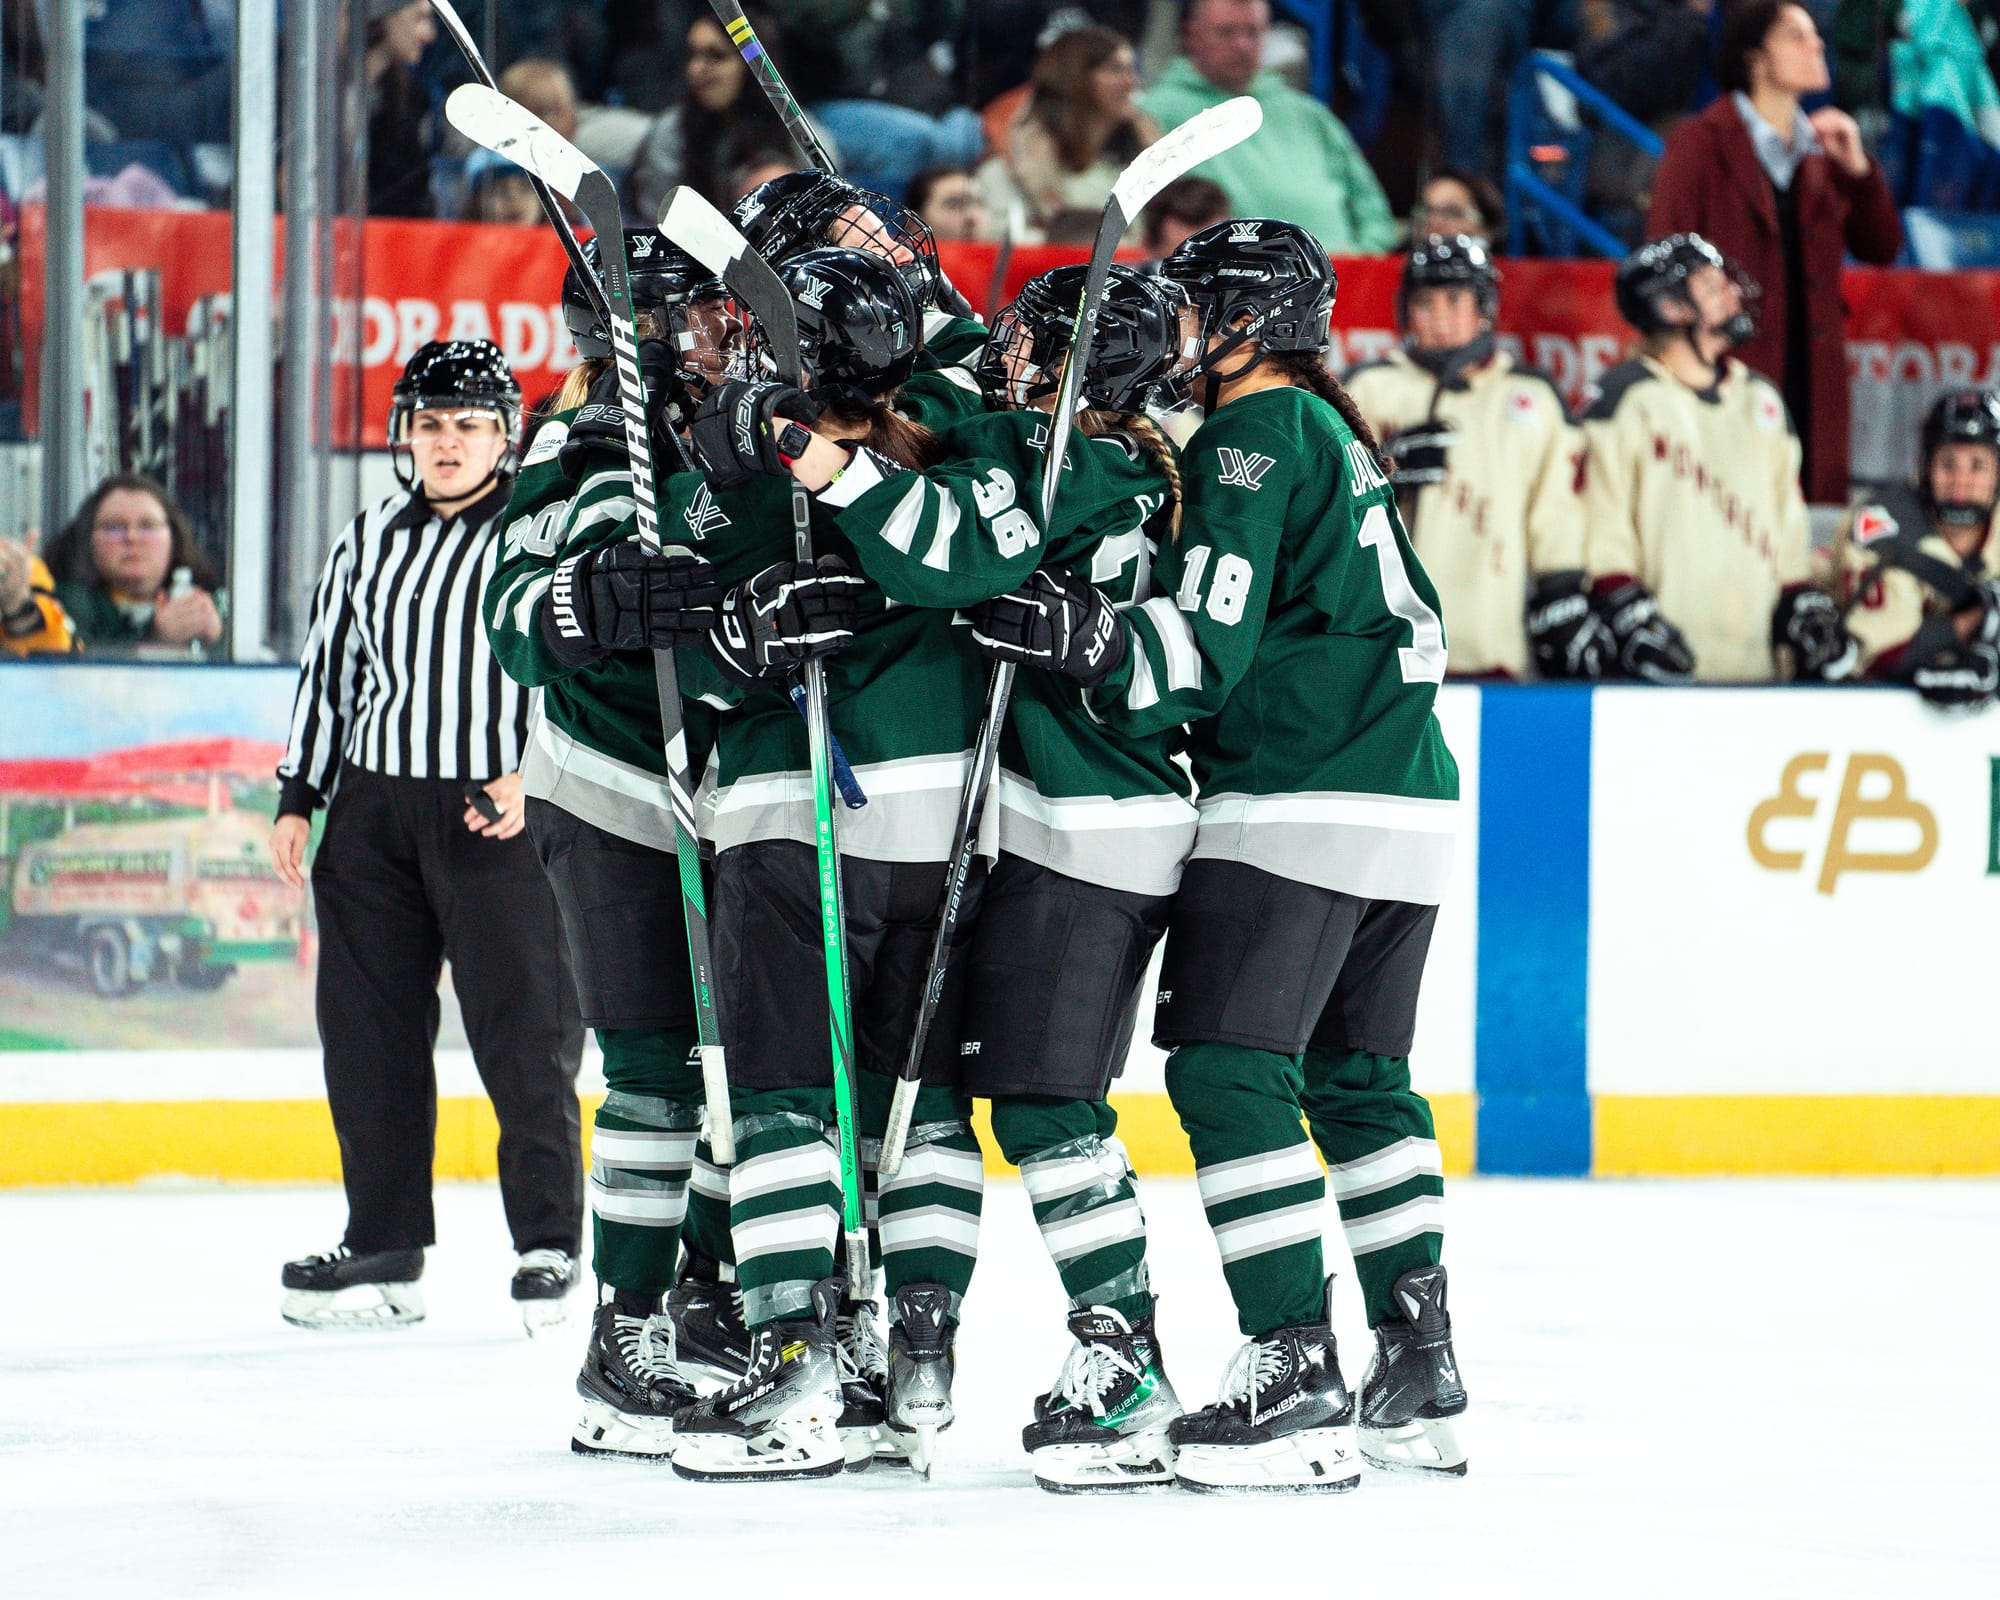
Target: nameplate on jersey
[1242,471]
[548,443]
[1364,473]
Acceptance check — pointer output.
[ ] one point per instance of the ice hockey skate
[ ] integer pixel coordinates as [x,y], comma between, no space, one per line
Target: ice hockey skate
[921,1365]
[630,1385]
[339,1289]
[543,1285]
[780,1419]
[1412,1388]
[865,1436]
[1284,1422]
[1104,1426]
[710,1341]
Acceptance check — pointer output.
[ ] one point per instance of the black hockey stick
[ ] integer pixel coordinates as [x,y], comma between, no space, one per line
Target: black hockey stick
[1172,156]
[772,82]
[489,118]
[713,240]
[462,37]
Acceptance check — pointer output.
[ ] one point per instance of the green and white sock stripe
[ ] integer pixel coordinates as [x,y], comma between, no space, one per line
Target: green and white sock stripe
[1259,1203]
[707,1226]
[1087,1209]
[642,1147]
[930,1211]
[784,1210]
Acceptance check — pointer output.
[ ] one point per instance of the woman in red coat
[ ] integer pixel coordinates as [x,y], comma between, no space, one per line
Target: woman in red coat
[1786,196]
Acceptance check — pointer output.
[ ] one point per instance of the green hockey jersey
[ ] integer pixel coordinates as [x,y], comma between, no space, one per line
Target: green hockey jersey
[594,745]
[1299,637]
[1084,798]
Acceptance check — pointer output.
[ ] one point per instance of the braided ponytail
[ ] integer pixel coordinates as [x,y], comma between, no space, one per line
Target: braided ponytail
[1153,445]
[1307,369]
[890,434]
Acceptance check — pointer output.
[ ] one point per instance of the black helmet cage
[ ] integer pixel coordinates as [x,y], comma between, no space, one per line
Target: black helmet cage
[801,211]
[1444,261]
[674,298]
[860,328]
[455,375]
[1961,416]
[658,273]
[1660,271]
[1133,346]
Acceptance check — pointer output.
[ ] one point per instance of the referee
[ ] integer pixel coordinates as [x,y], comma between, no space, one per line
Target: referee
[405,722]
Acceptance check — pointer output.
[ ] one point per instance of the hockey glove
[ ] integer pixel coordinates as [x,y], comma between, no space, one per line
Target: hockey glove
[1420,455]
[1056,621]
[746,430]
[1951,672]
[598,429]
[785,616]
[1649,647]
[624,597]
[1808,622]
[1568,638]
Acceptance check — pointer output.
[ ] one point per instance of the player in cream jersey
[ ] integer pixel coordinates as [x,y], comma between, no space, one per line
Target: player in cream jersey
[1917,567]
[1696,540]
[1483,459]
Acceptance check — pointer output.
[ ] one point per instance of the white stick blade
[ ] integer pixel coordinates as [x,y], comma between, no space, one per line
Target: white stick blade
[488,118]
[694,224]
[1174,155]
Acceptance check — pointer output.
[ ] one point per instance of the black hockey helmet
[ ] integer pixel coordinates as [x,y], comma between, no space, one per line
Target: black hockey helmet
[813,210]
[1656,274]
[1959,416]
[859,325]
[1276,271]
[1134,346]
[455,375]
[1444,261]
[659,272]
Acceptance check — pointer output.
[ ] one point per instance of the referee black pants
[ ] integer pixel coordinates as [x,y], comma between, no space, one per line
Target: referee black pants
[401,886]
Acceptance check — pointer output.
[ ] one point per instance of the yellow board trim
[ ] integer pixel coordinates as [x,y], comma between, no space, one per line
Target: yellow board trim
[1639,1136]
[291,1141]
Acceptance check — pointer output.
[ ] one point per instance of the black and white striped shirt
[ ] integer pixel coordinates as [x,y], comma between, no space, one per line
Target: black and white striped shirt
[396,675]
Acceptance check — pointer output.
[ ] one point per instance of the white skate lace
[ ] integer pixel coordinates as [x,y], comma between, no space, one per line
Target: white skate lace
[646,1345]
[859,1347]
[1092,1372]
[1254,1368]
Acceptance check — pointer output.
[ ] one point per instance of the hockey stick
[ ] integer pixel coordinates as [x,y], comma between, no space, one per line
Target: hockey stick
[489,118]
[1171,156]
[772,82]
[712,239]
[448,17]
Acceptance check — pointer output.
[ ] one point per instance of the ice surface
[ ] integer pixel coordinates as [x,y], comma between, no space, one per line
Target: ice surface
[1712,1389]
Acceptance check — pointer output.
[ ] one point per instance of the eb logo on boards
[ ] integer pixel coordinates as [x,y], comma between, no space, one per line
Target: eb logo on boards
[1884,799]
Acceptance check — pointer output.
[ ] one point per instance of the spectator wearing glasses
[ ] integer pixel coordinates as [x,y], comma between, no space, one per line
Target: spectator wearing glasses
[1454,201]
[949,201]
[131,577]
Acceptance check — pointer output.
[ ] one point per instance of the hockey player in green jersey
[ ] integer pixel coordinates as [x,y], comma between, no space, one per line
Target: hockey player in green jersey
[1304,650]
[576,607]
[1092,829]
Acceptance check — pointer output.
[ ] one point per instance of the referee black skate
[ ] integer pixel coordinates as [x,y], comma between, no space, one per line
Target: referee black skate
[406,728]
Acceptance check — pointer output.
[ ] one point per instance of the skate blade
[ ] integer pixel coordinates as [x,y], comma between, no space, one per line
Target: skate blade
[857,1448]
[604,1430]
[807,1448]
[1116,1466]
[540,1316]
[360,1305]
[1423,1444]
[1315,1461]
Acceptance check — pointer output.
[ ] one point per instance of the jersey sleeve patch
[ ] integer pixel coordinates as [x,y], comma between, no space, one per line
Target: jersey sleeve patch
[549,439]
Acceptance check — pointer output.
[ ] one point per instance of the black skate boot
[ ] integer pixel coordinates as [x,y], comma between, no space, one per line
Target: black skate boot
[543,1284]
[780,1419]
[864,1389]
[1104,1426]
[1284,1422]
[710,1340]
[1412,1388]
[921,1365]
[339,1289]
[630,1385]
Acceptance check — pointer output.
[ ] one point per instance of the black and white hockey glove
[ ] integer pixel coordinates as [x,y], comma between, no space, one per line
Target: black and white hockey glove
[598,429]
[1420,455]
[785,616]
[1808,623]
[1959,674]
[1056,621]
[748,430]
[624,597]
[1569,639]
[1649,647]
